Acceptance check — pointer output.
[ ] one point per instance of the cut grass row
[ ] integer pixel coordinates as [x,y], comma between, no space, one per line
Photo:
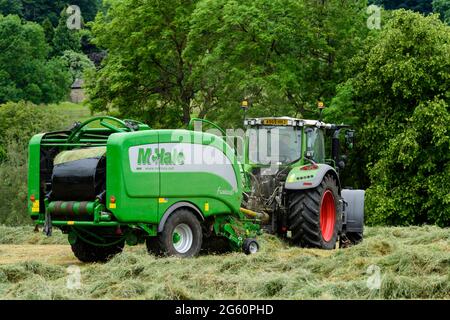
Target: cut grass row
[414,263]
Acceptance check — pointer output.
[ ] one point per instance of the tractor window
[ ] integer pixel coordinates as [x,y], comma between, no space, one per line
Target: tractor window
[274,145]
[315,142]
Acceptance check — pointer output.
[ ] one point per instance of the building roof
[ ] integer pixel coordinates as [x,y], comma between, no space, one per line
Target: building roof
[77,84]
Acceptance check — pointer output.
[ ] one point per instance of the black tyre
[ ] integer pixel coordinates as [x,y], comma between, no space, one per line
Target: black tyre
[182,235]
[315,215]
[153,246]
[354,238]
[86,252]
[250,246]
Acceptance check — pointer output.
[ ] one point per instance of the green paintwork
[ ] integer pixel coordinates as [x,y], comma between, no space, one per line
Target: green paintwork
[176,237]
[34,172]
[142,190]
[143,175]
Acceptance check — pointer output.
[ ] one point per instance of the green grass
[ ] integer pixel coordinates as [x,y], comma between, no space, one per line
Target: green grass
[27,235]
[414,264]
[73,112]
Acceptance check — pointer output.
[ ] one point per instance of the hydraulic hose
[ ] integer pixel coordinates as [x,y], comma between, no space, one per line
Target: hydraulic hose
[264,217]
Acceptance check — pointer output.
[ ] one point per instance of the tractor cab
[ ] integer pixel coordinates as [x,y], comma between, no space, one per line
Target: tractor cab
[286,141]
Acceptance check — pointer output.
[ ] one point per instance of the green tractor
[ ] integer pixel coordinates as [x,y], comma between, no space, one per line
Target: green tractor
[289,176]
[291,184]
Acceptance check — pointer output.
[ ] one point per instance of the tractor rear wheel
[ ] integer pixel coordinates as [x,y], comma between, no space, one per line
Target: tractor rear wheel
[315,216]
[86,252]
[182,235]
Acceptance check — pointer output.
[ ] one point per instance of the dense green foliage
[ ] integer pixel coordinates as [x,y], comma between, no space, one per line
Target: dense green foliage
[443,8]
[171,59]
[26,73]
[40,10]
[423,6]
[77,63]
[398,99]
[64,38]
[18,123]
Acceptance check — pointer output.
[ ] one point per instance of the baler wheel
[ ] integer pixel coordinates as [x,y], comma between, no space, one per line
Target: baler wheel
[315,216]
[250,246]
[86,252]
[182,235]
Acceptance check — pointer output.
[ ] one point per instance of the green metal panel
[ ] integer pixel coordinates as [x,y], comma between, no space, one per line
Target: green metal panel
[208,206]
[210,170]
[34,157]
[148,171]
[136,193]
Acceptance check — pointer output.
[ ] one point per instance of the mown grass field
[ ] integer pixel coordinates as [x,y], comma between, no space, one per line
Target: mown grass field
[414,263]
[72,111]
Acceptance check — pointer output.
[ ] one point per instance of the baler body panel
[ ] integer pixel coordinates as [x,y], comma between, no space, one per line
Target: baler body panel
[136,194]
[149,171]
[34,180]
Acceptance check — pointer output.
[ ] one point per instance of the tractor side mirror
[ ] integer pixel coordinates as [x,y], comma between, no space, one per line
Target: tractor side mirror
[350,138]
[342,161]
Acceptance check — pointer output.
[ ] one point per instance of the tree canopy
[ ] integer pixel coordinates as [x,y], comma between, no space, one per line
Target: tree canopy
[40,10]
[168,60]
[423,6]
[398,99]
[25,71]
[443,8]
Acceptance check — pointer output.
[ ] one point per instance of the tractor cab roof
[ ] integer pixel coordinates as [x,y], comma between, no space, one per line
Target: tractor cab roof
[287,121]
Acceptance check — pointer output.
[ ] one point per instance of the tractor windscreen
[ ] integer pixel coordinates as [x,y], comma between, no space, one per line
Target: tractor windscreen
[274,145]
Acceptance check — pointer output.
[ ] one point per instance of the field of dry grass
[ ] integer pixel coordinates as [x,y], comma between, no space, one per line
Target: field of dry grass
[413,263]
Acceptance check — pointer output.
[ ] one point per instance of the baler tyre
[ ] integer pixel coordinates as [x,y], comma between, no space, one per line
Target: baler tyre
[250,246]
[86,252]
[153,246]
[315,216]
[182,235]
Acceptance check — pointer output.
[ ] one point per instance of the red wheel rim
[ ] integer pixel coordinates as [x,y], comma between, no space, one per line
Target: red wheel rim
[327,215]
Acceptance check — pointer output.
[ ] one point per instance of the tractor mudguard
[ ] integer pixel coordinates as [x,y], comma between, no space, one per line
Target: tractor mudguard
[353,209]
[309,176]
[176,206]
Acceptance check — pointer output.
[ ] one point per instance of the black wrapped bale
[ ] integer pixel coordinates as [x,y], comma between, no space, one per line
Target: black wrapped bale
[81,179]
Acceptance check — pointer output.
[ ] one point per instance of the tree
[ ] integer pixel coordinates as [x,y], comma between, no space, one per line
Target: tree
[283,55]
[48,30]
[176,58]
[443,8]
[423,6]
[25,71]
[145,74]
[77,64]
[65,38]
[412,177]
[40,10]
[401,77]
[10,7]
[18,123]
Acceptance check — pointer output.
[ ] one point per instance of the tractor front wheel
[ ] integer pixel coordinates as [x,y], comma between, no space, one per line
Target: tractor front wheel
[315,216]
